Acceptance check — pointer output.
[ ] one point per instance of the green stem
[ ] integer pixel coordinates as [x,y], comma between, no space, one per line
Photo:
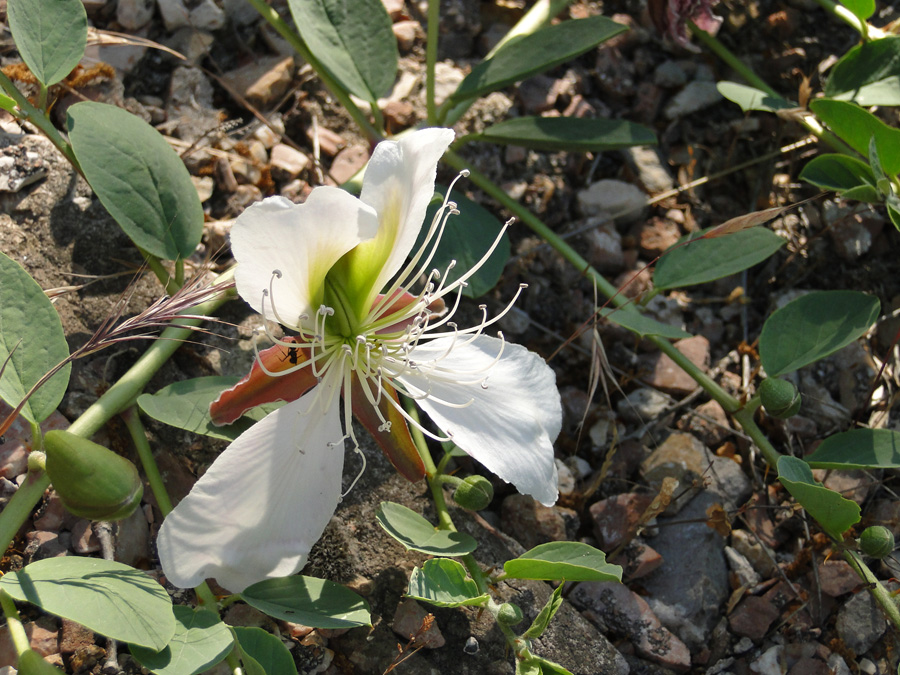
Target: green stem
[811,124]
[20,506]
[28,112]
[14,623]
[155,264]
[337,90]
[37,437]
[882,596]
[866,31]
[431,49]
[148,462]
[179,272]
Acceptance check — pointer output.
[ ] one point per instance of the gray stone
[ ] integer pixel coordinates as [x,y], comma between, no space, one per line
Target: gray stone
[650,168]
[174,14]
[207,16]
[694,97]
[134,14]
[860,622]
[643,405]
[670,75]
[612,200]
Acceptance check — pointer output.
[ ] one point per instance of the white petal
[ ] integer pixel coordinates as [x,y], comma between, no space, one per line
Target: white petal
[398,184]
[262,504]
[514,415]
[302,241]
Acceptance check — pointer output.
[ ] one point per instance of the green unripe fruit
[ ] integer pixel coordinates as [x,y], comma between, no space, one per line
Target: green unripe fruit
[93,482]
[780,398]
[509,614]
[876,541]
[474,493]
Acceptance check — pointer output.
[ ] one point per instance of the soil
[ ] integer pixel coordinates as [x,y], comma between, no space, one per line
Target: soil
[699,609]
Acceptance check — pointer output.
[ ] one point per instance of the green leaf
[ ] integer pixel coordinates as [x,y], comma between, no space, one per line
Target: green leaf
[30,329]
[110,598]
[32,663]
[863,193]
[812,327]
[834,513]
[641,324]
[535,53]
[466,238]
[201,641]
[893,209]
[417,534]
[251,665]
[751,98]
[858,449]
[267,650]
[571,134]
[185,405]
[856,126]
[138,178]
[839,173]
[862,9]
[354,41]
[540,666]
[310,601]
[530,666]
[563,560]
[705,260]
[868,74]
[50,35]
[444,583]
[542,620]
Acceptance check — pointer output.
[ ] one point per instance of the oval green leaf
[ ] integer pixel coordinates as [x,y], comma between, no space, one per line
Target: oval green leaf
[466,238]
[857,126]
[138,178]
[110,598]
[50,35]
[858,449]
[417,534]
[868,74]
[834,513]
[542,620]
[814,326]
[310,601]
[352,40]
[267,650]
[185,405]
[201,641]
[862,9]
[641,324]
[751,98]
[704,260]
[563,561]
[572,134]
[838,172]
[535,53]
[31,331]
[444,583]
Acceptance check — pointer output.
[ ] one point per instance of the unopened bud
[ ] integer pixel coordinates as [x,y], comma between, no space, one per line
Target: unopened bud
[779,397]
[474,493]
[509,614]
[876,541]
[93,482]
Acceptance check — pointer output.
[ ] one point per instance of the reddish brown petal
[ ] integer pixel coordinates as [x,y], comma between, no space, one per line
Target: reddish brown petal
[397,444]
[257,388]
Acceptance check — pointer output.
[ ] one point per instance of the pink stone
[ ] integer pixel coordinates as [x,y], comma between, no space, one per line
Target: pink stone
[752,617]
[617,517]
[409,620]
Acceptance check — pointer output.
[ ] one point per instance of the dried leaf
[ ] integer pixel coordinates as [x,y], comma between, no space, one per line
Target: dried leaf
[717,519]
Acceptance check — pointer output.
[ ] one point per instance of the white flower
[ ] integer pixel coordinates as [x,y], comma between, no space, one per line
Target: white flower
[335,270]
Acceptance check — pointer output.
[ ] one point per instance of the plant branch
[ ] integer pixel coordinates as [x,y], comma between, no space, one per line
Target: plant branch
[14,624]
[866,30]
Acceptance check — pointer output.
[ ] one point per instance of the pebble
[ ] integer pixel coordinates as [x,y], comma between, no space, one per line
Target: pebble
[208,16]
[348,162]
[399,114]
[661,372]
[643,405]
[613,200]
[743,571]
[74,636]
[855,484]
[83,538]
[263,81]
[638,559]
[770,662]
[615,608]
[670,75]
[408,620]
[133,540]
[657,235]
[515,322]
[709,424]
[532,523]
[565,478]
[204,186]
[53,515]
[289,161]
[538,94]
[752,617]
[174,14]
[134,14]
[42,636]
[860,622]
[240,12]
[617,517]
[604,248]
[650,167]
[406,33]
[43,545]
[836,577]
[446,79]
[694,97]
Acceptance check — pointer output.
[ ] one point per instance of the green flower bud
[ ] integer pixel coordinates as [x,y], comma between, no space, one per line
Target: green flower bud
[474,493]
[509,614]
[876,541]
[780,398]
[93,482]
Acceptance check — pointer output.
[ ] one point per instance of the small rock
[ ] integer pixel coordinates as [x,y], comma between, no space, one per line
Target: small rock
[329,142]
[836,577]
[406,33]
[409,622]
[612,200]
[43,545]
[395,8]
[670,75]
[515,322]
[446,79]
[604,248]
[538,94]
[287,160]
[42,636]
[134,14]
[807,665]
[643,405]
[204,186]
[770,663]
[240,614]
[860,622]
[83,538]
[133,540]
[565,478]
[207,16]
[854,484]
[74,636]
[741,568]
[616,608]
[752,617]
[240,12]
[532,523]
[760,556]
[638,560]
[53,515]
[174,14]
[347,162]
[662,373]
[399,114]
[263,81]
[656,236]
[709,424]
[617,517]
[650,168]
[694,97]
